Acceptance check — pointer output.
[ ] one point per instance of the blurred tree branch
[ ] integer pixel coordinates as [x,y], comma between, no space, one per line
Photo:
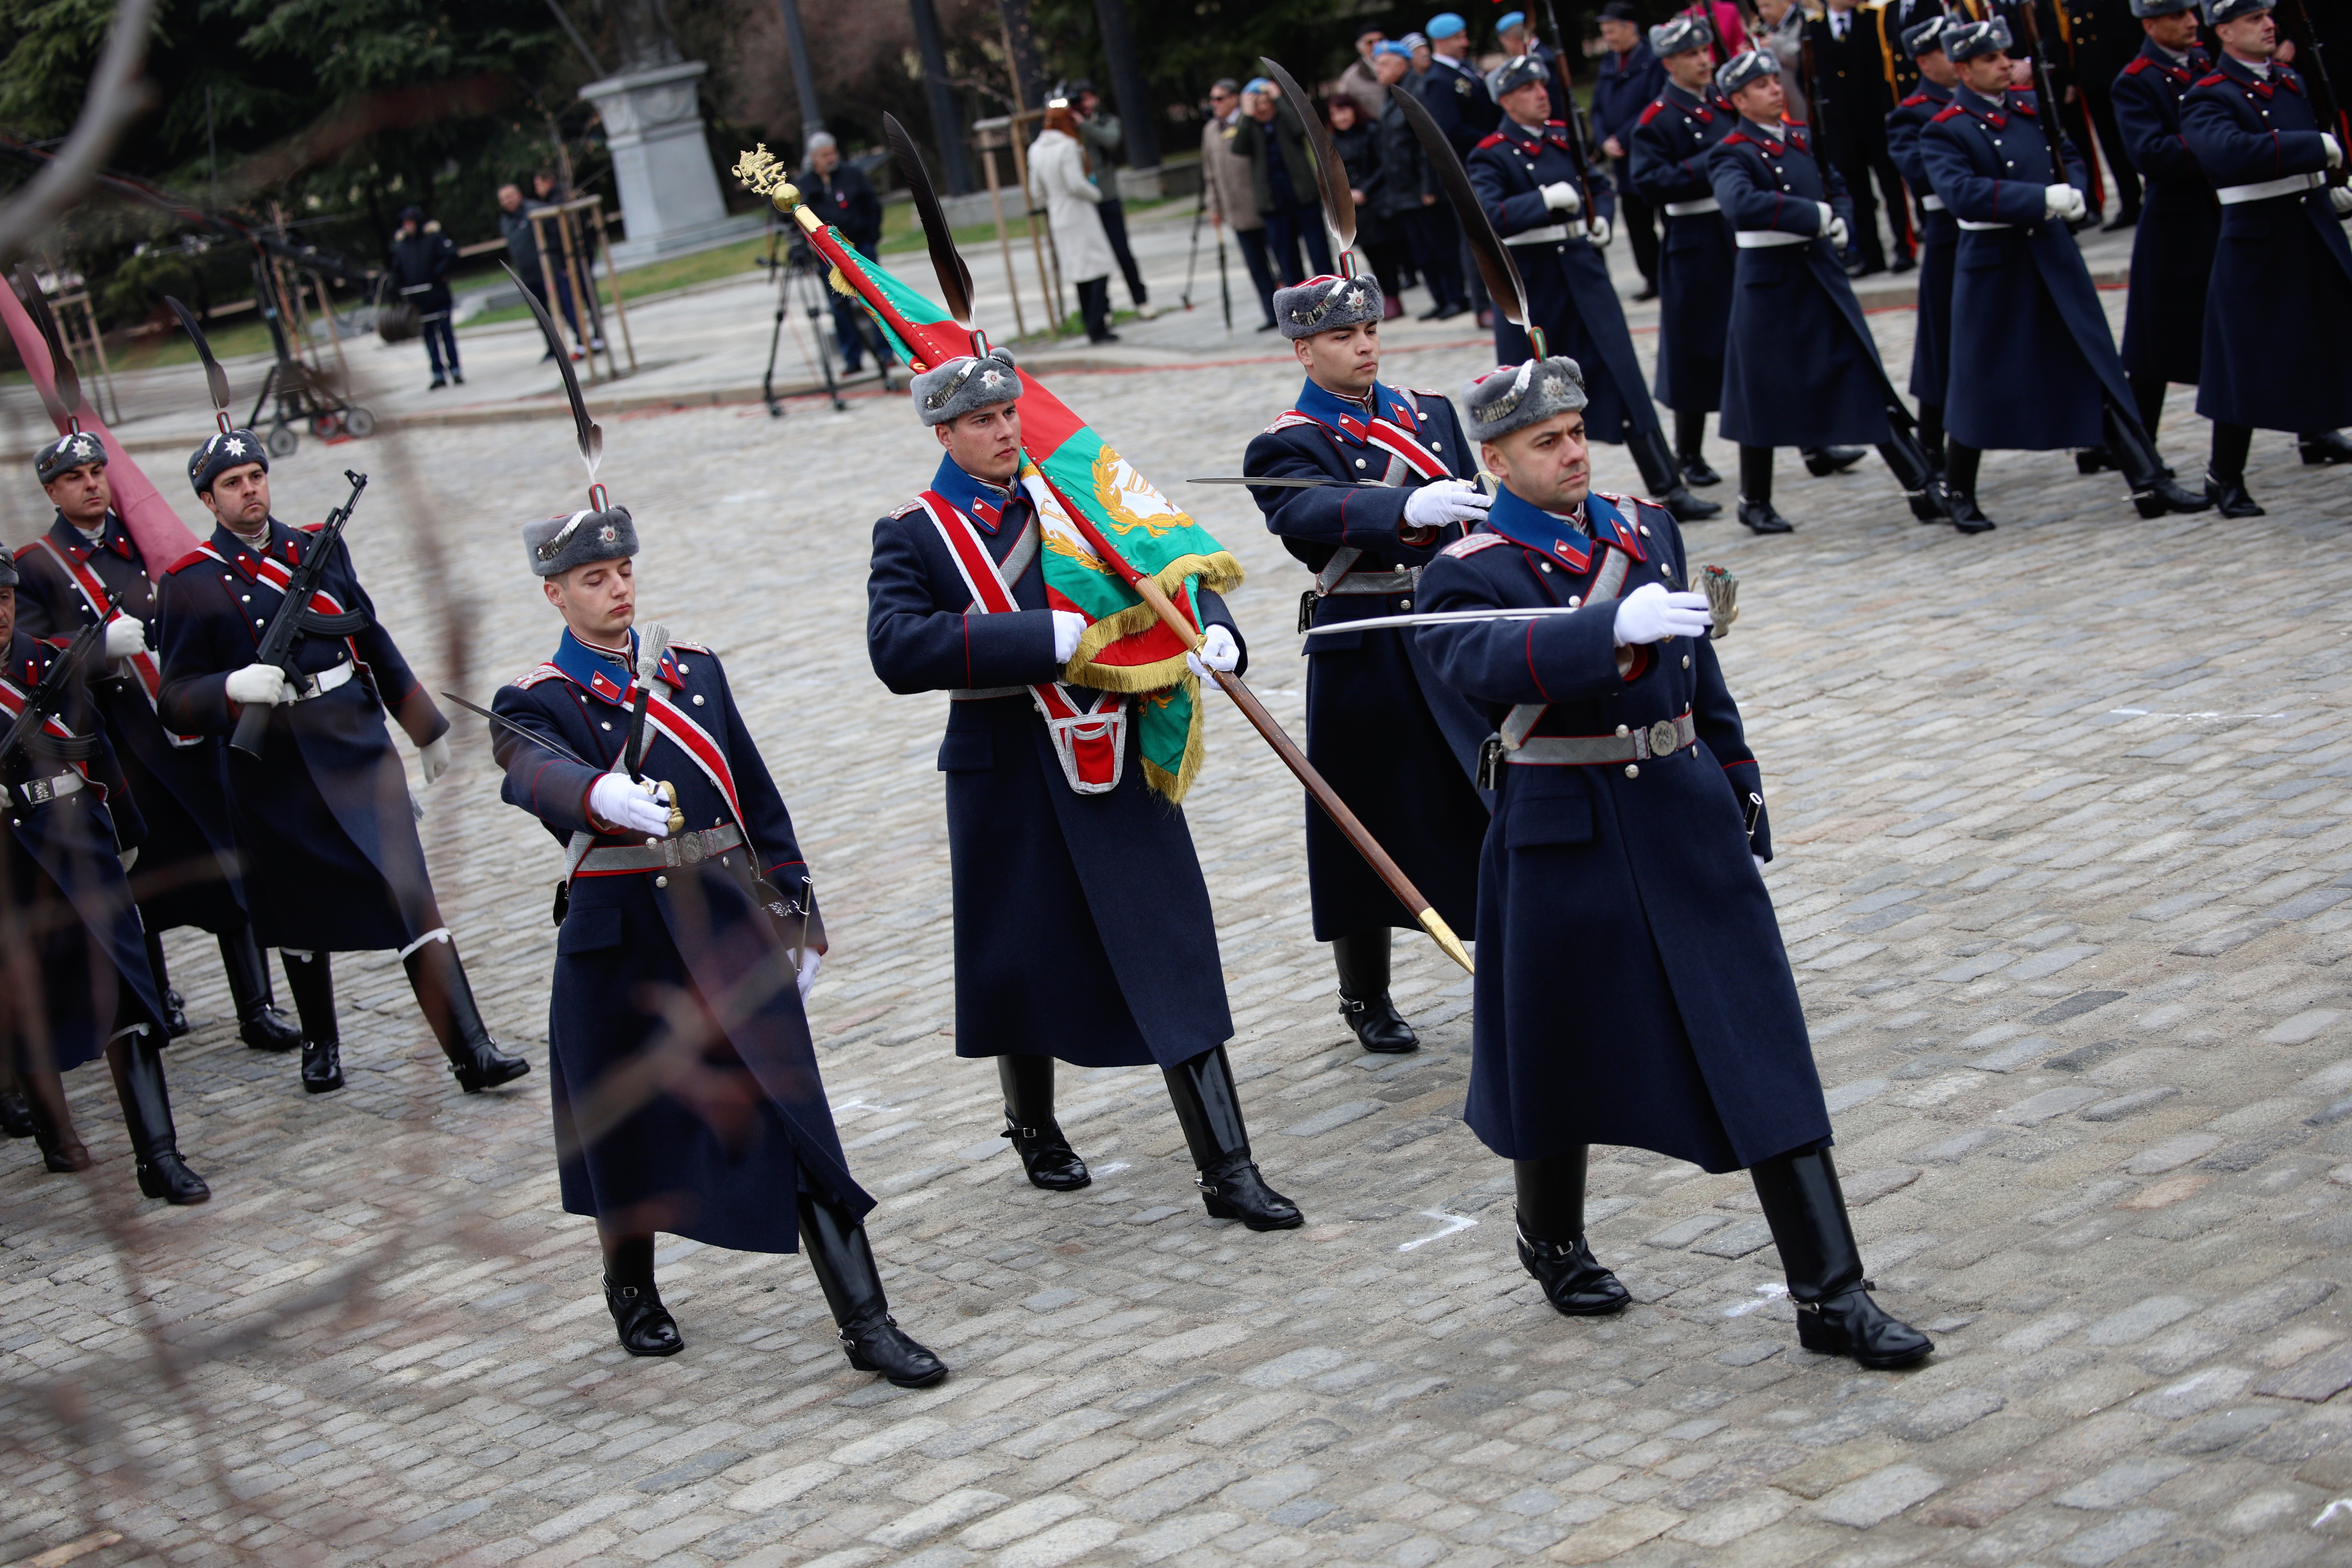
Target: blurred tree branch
[118,96]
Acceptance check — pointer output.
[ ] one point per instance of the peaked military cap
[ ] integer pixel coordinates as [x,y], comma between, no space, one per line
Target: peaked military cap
[2146,8]
[1326,304]
[1743,68]
[1517,72]
[229,449]
[961,387]
[1967,40]
[70,450]
[1680,34]
[2220,11]
[1927,37]
[557,544]
[1513,396]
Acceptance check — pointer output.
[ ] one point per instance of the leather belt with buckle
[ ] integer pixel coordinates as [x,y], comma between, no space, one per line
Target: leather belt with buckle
[1662,739]
[40,791]
[686,849]
[326,681]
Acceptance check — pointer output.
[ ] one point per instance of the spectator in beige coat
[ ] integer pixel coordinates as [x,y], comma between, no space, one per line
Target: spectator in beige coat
[1059,181]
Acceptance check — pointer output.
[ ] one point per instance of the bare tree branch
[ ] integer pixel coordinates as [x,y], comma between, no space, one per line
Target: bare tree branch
[118,96]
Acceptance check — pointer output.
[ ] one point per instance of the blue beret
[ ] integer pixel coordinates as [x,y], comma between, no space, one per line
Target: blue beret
[1967,40]
[1390,46]
[1510,19]
[230,450]
[1258,84]
[1743,68]
[1445,24]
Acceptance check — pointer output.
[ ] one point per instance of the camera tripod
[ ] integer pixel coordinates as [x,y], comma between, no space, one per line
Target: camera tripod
[800,285]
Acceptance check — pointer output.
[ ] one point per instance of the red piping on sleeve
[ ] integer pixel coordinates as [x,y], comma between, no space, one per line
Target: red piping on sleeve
[967,648]
[1531,663]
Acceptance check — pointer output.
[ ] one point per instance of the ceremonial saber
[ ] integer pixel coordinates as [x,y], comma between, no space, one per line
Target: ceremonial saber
[1303,482]
[956,292]
[1443,618]
[533,736]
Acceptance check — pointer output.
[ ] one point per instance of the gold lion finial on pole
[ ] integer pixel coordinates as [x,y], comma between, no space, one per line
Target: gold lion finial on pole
[763,173]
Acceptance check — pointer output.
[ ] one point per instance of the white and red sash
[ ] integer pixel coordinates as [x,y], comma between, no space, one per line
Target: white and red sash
[93,591]
[280,576]
[672,724]
[1090,741]
[13,698]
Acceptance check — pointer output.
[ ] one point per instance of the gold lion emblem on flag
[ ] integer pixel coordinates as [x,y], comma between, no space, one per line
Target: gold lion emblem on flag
[1132,500]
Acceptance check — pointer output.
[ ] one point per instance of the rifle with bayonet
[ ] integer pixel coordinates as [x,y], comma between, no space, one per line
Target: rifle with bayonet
[296,621]
[1578,147]
[26,740]
[2311,53]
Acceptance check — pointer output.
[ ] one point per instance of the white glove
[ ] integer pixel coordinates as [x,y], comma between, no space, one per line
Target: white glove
[125,635]
[1217,651]
[2064,202]
[1837,234]
[129,857]
[1068,627]
[629,805]
[810,961]
[434,758]
[1759,863]
[2340,198]
[1446,502]
[2334,149]
[1562,197]
[258,685]
[1599,232]
[1651,613]
[1829,216]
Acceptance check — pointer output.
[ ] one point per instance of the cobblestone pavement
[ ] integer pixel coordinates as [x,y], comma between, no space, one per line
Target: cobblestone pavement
[2064,870]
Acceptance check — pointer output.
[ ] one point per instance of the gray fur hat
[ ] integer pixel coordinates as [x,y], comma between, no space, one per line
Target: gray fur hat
[1679,34]
[70,450]
[8,568]
[1513,396]
[1517,72]
[2220,11]
[1326,304]
[963,385]
[1927,37]
[2143,10]
[220,453]
[556,544]
[1744,67]
[1968,40]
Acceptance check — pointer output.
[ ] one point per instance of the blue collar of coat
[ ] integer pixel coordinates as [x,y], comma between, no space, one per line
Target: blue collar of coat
[1565,539]
[2239,71]
[1992,111]
[76,543]
[1689,102]
[1346,416]
[1935,90]
[283,543]
[984,502]
[1531,138]
[2193,64]
[596,674]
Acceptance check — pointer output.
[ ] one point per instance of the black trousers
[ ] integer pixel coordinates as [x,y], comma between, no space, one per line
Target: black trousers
[1093,307]
[440,342]
[1261,267]
[1437,251]
[1865,155]
[1113,222]
[1637,220]
[2120,168]
[1285,228]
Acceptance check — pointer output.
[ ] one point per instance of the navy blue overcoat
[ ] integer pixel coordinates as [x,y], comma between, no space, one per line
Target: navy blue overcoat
[323,815]
[1802,368]
[1082,923]
[67,899]
[1931,338]
[2278,316]
[1458,100]
[1400,745]
[2180,220]
[2037,360]
[1570,295]
[701,1121]
[1667,161]
[187,873]
[1632,985]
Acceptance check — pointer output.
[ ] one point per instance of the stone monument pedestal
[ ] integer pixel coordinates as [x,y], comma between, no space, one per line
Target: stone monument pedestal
[669,192]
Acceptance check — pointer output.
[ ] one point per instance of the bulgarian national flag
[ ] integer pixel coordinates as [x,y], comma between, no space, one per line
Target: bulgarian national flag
[1072,473]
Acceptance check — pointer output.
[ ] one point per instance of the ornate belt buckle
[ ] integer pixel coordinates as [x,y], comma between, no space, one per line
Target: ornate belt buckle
[38,792]
[1663,737]
[692,850]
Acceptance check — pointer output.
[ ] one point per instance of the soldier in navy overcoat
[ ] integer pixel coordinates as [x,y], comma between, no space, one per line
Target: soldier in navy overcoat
[684,1087]
[1526,177]
[1400,745]
[2034,363]
[1802,369]
[74,983]
[190,877]
[1931,338]
[323,815]
[1667,161]
[2172,254]
[2278,313]
[1632,988]
[1083,932]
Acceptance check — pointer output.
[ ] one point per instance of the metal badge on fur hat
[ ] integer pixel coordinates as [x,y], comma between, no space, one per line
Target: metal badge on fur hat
[1513,397]
[70,450]
[2220,11]
[1928,36]
[1680,34]
[557,544]
[945,393]
[1744,67]
[2143,10]
[219,454]
[1517,72]
[1967,40]
[1326,304]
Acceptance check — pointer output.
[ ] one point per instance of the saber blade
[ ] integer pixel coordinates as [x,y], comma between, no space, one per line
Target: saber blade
[1306,482]
[533,736]
[1441,618]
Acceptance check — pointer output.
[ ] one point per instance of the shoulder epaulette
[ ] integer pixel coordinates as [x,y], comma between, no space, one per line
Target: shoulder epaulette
[1494,139]
[1735,139]
[23,551]
[1652,111]
[2216,79]
[1952,113]
[2138,64]
[1424,392]
[185,562]
[914,505]
[1915,99]
[313,527]
[2025,104]
[1470,545]
[533,677]
[1291,420]
[700,647]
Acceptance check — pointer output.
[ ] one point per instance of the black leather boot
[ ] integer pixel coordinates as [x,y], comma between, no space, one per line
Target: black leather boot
[53,1130]
[137,1062]
[639,1319]
[2231,498]
[1823,461]
[15,1116]
[1960,488]
[1931,435]
[175,1010]
[1690,442]
[260,1023]
[2324,447]
[1907,460]
[1362,958]
[1760,517]
[2154,491]
[311,977]
[440,981]
[2095,460]
[1209,1108]
[870,1337]
[1552,1245]
[1663,477]
[1835,1315]
[1756,511]
[1036,1137]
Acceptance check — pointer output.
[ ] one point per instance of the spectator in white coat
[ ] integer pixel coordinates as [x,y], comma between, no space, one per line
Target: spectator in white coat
[1058,180]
